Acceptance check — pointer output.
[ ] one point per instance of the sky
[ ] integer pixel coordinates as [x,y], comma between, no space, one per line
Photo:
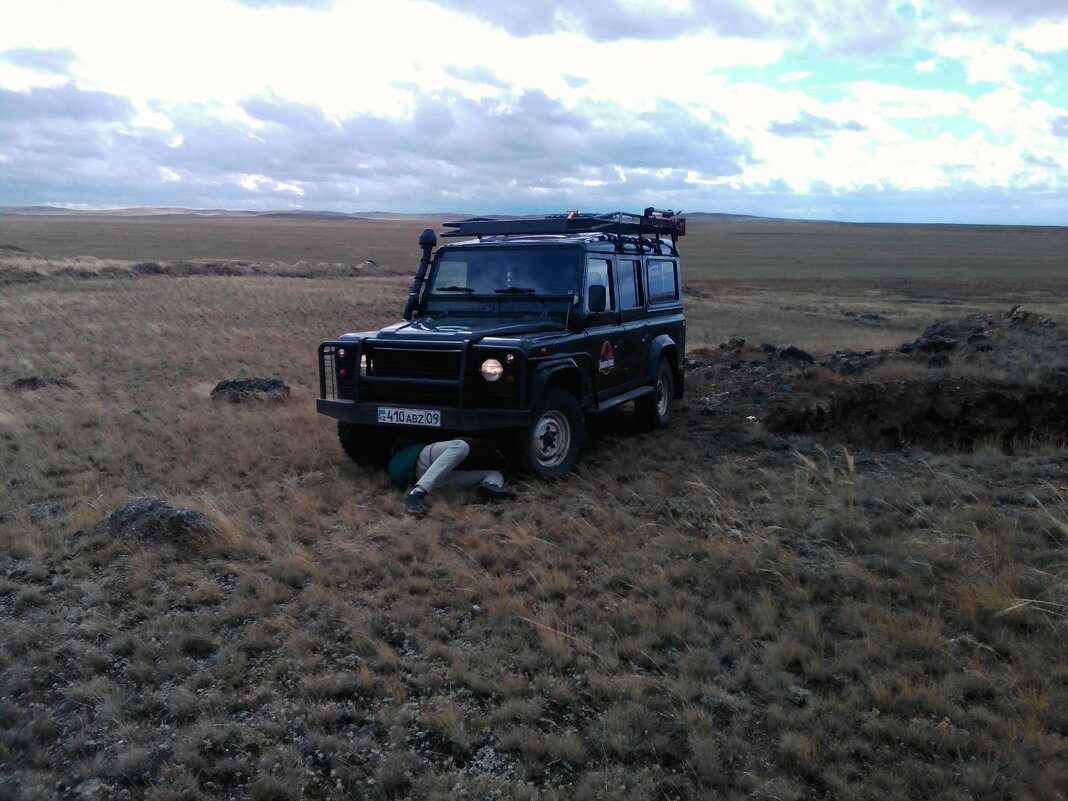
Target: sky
[950,111]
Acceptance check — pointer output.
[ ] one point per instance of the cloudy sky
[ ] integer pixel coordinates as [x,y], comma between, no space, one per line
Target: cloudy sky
[881,110]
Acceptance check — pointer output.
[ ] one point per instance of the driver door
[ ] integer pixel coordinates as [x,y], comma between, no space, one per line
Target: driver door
[604,336]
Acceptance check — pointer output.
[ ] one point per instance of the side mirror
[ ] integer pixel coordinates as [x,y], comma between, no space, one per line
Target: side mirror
[597,301]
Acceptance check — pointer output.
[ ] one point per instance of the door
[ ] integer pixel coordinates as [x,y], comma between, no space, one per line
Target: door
[631,296]
[604,335]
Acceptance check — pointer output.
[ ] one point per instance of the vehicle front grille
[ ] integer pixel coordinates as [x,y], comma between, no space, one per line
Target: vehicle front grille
[399,362]
[409,366]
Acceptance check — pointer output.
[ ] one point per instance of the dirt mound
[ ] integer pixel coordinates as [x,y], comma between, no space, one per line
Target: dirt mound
[998,377]
[151,521]
[243,390]
[936,412]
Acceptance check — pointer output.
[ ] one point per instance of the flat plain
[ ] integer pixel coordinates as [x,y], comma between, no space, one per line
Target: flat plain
[722,609]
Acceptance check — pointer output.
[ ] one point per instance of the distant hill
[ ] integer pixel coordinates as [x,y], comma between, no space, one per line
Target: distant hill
[175,211]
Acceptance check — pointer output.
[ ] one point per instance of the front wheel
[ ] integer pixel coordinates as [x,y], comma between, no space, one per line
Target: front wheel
[552,445]
[654,411]
[365,445]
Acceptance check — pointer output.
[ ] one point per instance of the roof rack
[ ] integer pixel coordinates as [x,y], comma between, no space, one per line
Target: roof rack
[652,222]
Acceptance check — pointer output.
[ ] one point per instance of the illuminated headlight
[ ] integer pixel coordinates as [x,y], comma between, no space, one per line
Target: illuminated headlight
[341,353]
[491,369]
[363,364]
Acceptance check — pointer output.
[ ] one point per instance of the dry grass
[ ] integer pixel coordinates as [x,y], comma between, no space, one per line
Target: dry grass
[684,618]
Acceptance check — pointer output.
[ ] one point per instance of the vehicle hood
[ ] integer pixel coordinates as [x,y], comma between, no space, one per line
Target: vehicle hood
[460,329]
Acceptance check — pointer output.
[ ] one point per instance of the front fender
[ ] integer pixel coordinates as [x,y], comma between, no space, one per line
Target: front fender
[558,372]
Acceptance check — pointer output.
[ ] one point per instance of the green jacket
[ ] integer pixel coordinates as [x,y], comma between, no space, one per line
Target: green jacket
[402,463]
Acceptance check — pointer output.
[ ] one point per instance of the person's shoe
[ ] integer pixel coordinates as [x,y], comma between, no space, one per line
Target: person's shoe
[488,492]
[416,502]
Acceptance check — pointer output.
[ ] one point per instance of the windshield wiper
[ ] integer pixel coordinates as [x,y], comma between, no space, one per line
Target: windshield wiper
[467,289]
[515,290]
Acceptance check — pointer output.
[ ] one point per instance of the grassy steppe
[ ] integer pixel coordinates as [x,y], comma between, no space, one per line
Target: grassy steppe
[684,618]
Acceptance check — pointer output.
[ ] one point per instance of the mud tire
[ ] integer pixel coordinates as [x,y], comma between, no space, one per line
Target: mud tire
[655,411]
[551,446]
[365,445]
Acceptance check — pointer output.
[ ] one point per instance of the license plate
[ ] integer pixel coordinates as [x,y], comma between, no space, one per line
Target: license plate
[409,417]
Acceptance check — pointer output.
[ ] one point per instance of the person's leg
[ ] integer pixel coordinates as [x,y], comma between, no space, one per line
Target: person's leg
[469,479]
[437,461]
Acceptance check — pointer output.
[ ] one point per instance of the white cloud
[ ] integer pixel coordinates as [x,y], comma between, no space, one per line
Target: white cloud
[997,63]
[411,104]
[1044,37]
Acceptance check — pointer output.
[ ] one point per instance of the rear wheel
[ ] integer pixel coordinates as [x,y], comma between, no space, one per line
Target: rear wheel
[654,411]
[365,445]
[552,445]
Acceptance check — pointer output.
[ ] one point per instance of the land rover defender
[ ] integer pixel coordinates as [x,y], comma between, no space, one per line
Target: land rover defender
[527,326]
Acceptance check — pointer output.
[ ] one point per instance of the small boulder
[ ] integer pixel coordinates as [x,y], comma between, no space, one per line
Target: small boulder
[790,353]
[242,390]
[45,509]
[151,520]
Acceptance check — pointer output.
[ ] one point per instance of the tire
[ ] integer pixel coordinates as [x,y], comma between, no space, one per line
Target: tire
[551,447]
[365,445]
[655,411]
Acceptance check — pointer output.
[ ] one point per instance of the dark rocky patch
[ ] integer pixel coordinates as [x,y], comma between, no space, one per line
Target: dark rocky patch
[11,275]
[35,382]
[150,520]
[1014,386]
[243,390]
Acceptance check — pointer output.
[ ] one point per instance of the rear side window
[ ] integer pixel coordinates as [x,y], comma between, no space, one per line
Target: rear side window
[663,280]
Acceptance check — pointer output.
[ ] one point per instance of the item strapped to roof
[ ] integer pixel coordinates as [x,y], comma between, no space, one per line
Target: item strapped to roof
[652,222]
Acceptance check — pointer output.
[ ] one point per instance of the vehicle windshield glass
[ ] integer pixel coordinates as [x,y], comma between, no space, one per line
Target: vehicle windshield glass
[506,272]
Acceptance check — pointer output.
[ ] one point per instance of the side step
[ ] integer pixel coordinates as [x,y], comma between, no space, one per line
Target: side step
[619,400]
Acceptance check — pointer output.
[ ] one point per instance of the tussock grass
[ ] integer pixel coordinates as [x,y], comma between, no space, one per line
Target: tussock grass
[684,618]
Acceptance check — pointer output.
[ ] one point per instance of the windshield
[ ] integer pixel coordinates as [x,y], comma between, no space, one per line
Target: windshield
[507,271]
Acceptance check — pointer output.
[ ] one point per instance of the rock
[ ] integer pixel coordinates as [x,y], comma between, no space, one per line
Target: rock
[151,520]
[873,317]
[736,342]
[790,354]
[242,390]
[34,382]
[487,761]
[847,362]
[767,347]
[938,360]
[44,509]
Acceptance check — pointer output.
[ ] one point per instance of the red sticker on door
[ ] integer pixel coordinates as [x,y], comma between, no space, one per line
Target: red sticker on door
[608,358]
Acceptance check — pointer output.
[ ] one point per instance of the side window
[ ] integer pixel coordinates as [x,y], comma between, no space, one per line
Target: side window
[663,281]
[630,285]
[599,273]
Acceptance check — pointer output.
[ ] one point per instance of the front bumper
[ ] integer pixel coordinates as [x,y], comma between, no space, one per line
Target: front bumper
[451,419]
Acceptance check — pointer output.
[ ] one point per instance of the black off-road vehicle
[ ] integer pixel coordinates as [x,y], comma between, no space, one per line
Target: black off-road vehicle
[528,326]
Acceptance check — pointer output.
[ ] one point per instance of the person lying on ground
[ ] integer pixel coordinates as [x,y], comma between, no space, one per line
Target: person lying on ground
[464,463]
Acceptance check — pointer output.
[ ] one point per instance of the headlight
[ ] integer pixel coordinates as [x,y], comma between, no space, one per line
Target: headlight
[363,364]
[341,353]
[491,369]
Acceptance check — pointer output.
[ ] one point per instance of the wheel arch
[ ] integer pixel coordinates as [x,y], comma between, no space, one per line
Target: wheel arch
[564,375]
[664,347]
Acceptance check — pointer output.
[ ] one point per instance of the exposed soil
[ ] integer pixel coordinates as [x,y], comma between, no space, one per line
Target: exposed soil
[985,378]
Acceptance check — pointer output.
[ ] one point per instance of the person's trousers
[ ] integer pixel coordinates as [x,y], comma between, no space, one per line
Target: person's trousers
[437,463]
